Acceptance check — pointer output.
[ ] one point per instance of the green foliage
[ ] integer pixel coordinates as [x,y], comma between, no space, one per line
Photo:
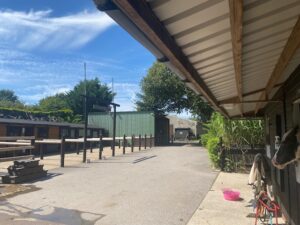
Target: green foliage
[97,93]
[64,107]
[241,133]
[163,92]
[54,103]
[8,95]
[212,147]
[61,115]
[234,133]
[199,109]
[8,99]
[10,104]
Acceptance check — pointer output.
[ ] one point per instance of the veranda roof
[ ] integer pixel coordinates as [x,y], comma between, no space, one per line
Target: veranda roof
[234,53]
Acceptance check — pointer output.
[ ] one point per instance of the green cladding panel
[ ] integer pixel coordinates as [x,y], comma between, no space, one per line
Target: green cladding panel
[127,123]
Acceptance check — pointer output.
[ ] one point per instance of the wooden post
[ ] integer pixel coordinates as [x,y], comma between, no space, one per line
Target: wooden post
[124,143]
[132,143]
[113,148]
[145,141]
[100,147]
[77,148]
[150,141]
[91,147]
[140,142]
[32,142]
[62,152]
[41,146]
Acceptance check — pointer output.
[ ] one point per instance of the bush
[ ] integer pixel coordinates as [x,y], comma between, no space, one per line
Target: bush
[237,133]
[60,115]
[212,147]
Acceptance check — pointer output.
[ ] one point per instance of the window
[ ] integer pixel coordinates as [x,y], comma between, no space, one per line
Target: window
[29,131]
[72,133]
[81,133]
[95,133]
[42,132]
[14,131]
[64,132]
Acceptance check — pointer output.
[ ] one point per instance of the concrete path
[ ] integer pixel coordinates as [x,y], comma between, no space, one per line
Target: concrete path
[214,210]
[162,186]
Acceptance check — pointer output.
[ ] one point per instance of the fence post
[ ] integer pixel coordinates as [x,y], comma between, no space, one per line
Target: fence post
[113,146]
[62,152]
[41,151]
[150,141]
[222,154]
[145,141]
[100,147]
[140,142]
[32,143]
[124,143]
[91,147]
[132,143]
[77,148]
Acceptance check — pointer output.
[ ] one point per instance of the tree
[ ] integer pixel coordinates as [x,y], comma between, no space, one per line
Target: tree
[163,92]
[97,93]
[158,91]
[200,110]
[54,103]
[8,95]
[8,99]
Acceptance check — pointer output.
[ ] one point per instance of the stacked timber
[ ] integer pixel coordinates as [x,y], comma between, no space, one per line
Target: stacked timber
[24,171]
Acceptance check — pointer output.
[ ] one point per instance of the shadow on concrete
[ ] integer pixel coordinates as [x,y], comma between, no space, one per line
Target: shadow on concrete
[48,177]
[14,214]
[185,143]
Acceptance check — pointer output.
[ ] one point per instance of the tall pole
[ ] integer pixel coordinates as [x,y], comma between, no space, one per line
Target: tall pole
[114,130]
[85,116]
[112,88]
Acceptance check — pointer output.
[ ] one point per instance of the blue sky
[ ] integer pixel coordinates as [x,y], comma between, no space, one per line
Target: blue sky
[43,45]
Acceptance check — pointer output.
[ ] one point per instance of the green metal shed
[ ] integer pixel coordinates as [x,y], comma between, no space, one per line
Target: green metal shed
[133,123]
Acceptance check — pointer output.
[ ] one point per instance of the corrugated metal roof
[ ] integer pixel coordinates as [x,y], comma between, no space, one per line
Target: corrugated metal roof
[44,123]
[202,30]
[207,33]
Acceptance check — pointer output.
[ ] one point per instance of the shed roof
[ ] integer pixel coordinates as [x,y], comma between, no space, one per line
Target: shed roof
[234,53]
[44,123]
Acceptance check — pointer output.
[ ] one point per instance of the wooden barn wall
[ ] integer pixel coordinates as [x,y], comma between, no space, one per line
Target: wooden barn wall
[53,132]
[2,130]
[279,118]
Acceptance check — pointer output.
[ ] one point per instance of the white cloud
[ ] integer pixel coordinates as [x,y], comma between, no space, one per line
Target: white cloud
[42,91]
[37,29]
[126,95]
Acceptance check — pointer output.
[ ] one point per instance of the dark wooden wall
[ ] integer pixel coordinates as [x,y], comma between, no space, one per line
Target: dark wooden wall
[279,118]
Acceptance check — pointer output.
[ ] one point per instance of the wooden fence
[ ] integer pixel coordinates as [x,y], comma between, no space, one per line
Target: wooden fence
[13,144]
[238,160]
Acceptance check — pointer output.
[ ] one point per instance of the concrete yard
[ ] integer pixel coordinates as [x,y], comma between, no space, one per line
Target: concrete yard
[214,210]
[161,186]
[71,159]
